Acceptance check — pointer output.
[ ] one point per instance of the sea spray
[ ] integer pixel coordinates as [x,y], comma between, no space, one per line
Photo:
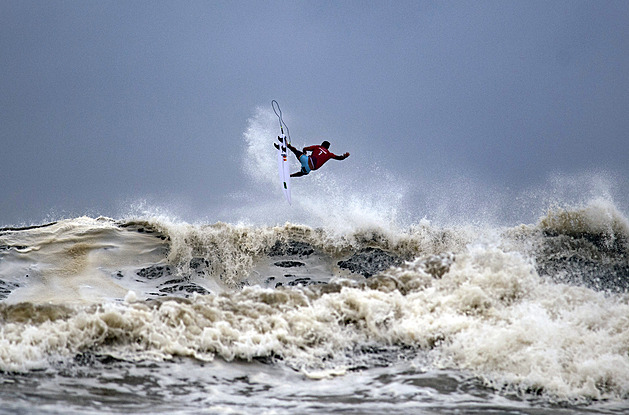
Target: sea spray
[336,199]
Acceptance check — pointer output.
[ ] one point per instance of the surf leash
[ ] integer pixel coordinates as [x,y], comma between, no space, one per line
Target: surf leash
[274,103]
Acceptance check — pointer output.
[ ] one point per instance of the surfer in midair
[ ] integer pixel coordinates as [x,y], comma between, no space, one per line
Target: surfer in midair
[319,154]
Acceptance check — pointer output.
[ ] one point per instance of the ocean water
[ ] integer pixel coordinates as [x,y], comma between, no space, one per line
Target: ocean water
[155,316]
[352,300]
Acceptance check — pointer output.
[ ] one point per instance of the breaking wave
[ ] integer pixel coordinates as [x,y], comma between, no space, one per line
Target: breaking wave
[533,309]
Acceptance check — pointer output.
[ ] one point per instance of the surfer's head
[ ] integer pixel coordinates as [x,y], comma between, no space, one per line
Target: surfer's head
[325,144]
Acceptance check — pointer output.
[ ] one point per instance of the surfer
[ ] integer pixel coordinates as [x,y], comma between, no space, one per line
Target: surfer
[319,155]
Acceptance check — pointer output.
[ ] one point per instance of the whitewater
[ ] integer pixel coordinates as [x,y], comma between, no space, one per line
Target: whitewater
[352,302]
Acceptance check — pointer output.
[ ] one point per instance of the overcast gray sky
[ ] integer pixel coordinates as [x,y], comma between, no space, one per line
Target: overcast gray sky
[104,104]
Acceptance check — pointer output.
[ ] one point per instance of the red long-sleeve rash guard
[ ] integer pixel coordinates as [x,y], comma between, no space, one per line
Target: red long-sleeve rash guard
[319,156]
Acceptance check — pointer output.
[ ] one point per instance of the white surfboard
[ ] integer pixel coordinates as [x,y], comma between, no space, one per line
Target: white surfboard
[284,168]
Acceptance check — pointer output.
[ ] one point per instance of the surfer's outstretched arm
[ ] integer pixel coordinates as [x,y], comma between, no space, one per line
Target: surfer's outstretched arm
[341,157]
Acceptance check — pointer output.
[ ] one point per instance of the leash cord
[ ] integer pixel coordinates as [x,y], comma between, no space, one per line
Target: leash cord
[279,116]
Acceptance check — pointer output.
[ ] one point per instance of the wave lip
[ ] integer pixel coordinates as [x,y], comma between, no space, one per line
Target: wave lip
[599,221]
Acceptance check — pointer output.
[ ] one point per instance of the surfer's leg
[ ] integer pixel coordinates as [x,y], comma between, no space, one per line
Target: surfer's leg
[296,152]
[304,167]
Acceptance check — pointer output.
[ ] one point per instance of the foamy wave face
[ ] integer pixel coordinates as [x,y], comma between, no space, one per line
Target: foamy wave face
[93,260]
[482,310]
[74,260]
[236,254]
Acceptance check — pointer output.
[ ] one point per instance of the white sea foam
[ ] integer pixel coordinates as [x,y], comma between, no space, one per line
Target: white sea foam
[488,313]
